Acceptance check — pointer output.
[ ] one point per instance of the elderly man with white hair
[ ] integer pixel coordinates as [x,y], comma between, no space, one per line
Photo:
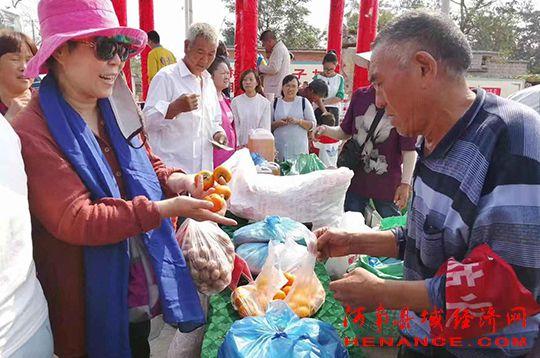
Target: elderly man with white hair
[471,246]
[182,107]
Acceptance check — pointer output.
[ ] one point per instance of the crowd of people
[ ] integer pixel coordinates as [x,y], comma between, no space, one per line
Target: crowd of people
[92,187]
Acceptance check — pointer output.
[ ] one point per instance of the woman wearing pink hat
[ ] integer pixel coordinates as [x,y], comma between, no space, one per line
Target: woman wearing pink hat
[104,245]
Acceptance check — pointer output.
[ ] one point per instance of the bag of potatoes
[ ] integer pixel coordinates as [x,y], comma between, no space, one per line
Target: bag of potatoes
[209,253]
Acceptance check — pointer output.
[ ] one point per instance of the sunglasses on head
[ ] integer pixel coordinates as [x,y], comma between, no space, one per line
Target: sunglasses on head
[107,47]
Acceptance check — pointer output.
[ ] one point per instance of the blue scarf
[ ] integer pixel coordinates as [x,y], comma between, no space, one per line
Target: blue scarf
[107,267]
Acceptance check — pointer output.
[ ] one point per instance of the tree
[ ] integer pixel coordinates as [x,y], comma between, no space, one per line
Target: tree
[286,18]
[493,28]
[27,17]
[510,27]
[388,10]
[528,44]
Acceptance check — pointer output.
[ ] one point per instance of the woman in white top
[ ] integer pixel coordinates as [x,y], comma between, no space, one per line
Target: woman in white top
[336,87]
[251,110]
[292,119]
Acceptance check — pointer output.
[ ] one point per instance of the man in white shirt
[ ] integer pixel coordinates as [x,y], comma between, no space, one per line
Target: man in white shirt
[24,323]
[278,65]
[182,107]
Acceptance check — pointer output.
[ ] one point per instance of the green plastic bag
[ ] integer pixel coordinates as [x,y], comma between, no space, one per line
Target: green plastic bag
[305,163]
[393,221]
[384,267]
[388,269]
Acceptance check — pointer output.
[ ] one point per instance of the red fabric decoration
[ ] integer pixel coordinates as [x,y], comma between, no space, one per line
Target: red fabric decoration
[120,9]
[245,44]
[367,31]
[483,295]
[240,269]
[146,23]
[335,28]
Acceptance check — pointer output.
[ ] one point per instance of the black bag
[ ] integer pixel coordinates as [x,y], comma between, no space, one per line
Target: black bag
[351,153]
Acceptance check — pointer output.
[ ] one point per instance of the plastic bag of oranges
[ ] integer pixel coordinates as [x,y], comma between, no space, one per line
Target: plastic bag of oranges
[281,279]
[306,293]
[253,299]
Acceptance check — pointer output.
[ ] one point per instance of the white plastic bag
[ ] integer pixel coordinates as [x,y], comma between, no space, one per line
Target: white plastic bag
[209,253]
[352,222]
[317,197]
[328,153]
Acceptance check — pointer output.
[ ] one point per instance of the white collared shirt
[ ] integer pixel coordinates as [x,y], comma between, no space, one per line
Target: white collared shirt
[278,67]
[183,141]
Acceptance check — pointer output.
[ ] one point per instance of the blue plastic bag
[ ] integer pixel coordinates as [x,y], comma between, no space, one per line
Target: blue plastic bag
[257,159]
[255,254]
[271,228]
[281,334]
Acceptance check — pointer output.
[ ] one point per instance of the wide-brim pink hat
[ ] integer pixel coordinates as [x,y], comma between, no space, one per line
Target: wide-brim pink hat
[63,20]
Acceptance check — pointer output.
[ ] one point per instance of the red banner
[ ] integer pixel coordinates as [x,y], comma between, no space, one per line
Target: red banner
[121,13]
[245,43]
[494,90]
[146,23]
[367,30]
[335,28]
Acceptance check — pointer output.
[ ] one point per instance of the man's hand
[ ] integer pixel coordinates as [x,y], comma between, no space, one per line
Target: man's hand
[332,243]
[335,243]
[401,196]
[221,138]
[359,288]
[188,102]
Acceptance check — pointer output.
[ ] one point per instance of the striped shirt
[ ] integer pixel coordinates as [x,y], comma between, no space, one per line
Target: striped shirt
[481,184]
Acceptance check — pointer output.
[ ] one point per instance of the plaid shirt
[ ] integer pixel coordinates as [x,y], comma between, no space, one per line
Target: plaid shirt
[481,184]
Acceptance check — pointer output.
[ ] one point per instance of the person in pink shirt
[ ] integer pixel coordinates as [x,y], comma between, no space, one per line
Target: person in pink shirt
[221,74]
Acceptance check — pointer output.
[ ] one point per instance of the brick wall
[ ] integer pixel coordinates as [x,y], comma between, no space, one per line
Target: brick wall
[485,64]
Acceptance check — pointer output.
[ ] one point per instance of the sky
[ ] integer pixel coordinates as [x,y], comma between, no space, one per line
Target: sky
[170,22]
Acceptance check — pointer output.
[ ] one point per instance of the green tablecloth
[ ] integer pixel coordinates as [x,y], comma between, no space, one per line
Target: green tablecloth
[221,316]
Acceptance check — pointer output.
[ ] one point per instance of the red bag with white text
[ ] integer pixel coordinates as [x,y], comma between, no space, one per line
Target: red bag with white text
[483,295]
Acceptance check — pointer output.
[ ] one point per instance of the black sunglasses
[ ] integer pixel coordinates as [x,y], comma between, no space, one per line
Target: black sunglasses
[107,47]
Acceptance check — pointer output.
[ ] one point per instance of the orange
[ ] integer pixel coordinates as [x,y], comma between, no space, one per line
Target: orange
[222,173]
[290,278]
[302,311]
[217,200]
[299,299]
[243,311]
[224,191]
[286,289]
[207,178]
[280,295]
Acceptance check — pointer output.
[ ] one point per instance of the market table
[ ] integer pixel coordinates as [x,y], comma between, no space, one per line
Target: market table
[221,316]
